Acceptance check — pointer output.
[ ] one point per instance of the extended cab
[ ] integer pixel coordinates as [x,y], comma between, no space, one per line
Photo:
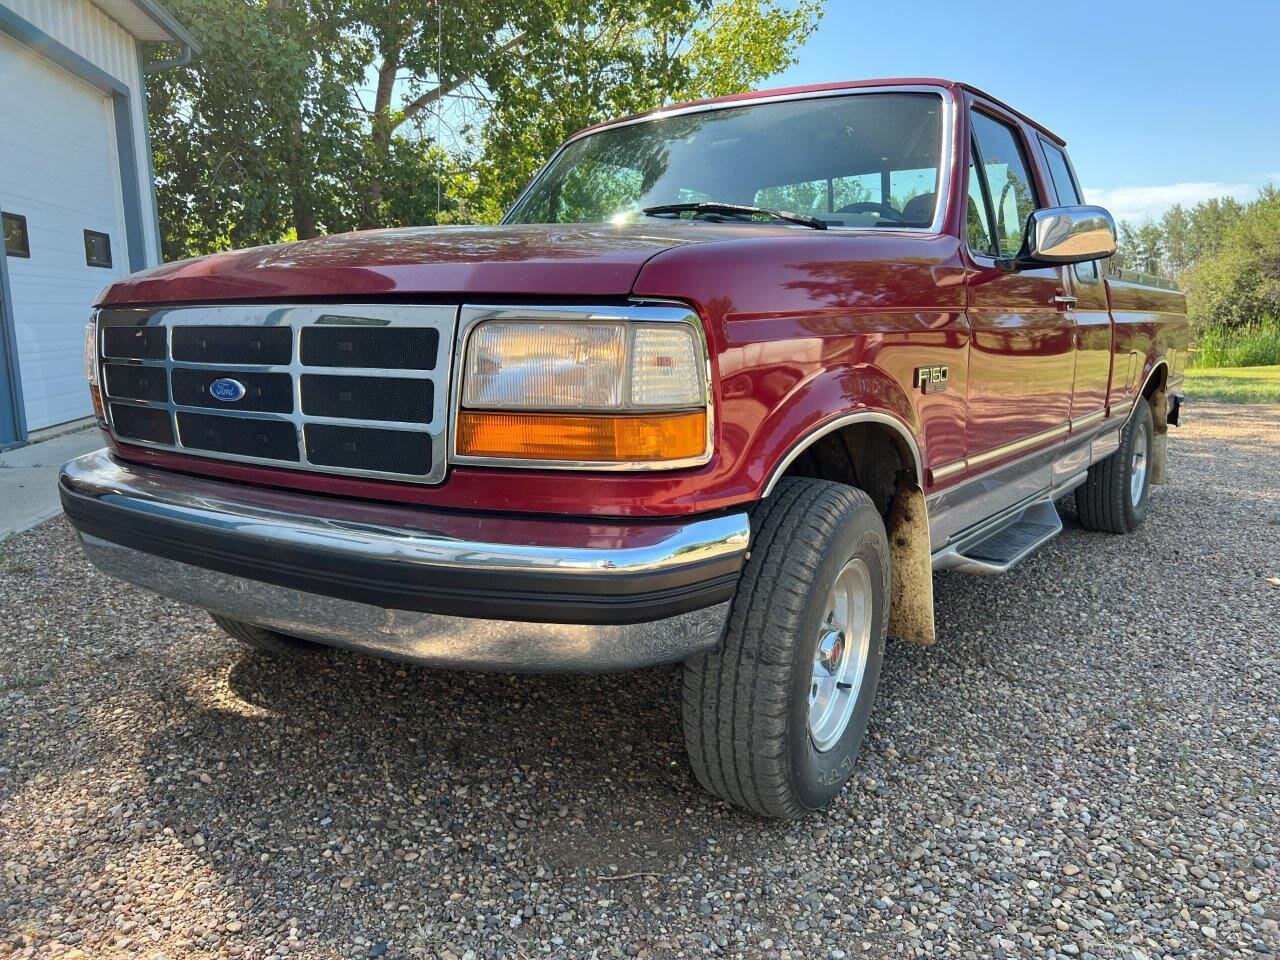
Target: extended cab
[725,388]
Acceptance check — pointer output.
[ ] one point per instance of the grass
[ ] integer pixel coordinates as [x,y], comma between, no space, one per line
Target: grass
[1234,384]
[1253,346]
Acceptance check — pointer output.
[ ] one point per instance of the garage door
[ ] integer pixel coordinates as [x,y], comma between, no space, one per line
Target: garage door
[60,179]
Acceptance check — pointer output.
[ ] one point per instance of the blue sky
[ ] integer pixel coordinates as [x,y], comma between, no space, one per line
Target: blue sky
[1158,102]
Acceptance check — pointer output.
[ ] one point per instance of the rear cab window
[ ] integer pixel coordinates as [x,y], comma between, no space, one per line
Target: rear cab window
[1067,189]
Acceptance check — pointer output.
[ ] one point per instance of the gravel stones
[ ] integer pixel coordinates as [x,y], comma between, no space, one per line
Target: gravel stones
[1086,765]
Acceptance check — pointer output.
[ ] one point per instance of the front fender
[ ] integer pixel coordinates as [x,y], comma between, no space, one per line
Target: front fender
[826,401]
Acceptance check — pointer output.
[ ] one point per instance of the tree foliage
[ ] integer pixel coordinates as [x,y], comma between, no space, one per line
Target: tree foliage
[1225,254]
[596,59]
[302,117]
[1182,237]
[1238,284]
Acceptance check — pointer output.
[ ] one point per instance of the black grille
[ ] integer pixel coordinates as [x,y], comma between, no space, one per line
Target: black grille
[134,343]
[326,388]
[135,383]
[367,448]
[387,348]
[263,392]
[142,423]
[367,398]
[267,439]
[256,345]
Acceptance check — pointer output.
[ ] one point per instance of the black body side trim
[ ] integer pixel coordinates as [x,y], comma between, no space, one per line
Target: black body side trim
[531,597]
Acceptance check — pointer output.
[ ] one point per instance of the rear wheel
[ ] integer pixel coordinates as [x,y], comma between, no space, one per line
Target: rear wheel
[1116,495]
[774,718]
[264,640]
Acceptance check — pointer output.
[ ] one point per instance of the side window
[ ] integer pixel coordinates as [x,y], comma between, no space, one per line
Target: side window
[1064,185]
[915,193]
[1068,191]
[1008,179]
[981,239]
[864,188]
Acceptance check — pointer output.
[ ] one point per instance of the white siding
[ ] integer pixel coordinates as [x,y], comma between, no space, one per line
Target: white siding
[83,28]
[60,168]
[61,171]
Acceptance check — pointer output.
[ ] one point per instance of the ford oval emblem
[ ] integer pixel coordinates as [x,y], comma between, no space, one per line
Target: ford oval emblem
[226,389]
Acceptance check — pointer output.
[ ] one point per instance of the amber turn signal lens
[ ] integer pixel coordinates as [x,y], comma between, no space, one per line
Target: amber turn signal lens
[586,438]
[95,394]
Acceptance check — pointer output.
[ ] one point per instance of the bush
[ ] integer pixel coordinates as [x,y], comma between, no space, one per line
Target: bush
[1256,346]
[1238,286]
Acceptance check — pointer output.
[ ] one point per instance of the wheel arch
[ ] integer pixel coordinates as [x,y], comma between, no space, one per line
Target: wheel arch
[876,452]
[1157,378]
[885,424]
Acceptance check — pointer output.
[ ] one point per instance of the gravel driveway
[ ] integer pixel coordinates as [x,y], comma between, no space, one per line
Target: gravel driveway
[1087,764]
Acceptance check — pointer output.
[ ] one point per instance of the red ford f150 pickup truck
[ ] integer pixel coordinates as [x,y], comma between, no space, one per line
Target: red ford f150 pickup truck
[726,386]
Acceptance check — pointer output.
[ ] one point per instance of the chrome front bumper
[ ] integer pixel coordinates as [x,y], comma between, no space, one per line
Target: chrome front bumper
[469,591]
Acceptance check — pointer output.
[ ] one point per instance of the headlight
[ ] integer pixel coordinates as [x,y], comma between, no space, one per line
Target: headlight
[546,366]
[589,393]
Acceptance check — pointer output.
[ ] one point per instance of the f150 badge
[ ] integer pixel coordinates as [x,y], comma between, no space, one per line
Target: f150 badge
[932,379]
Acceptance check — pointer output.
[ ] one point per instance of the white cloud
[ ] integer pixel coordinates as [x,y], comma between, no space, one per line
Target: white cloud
[1136,204]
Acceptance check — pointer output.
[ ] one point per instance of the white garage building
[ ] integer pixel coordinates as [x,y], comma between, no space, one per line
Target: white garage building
[77,195]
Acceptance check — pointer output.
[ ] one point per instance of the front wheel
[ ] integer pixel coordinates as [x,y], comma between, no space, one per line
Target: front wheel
[264,640]
[774,718]
[1117,492]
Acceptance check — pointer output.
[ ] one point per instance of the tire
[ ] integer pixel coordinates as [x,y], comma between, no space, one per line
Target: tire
[1116,495]
[749,726]
[264,640]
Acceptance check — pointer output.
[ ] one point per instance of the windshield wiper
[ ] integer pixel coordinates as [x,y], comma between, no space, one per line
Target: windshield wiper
[734,209]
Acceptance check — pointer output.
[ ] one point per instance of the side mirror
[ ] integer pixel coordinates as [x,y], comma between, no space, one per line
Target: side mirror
[1057,235]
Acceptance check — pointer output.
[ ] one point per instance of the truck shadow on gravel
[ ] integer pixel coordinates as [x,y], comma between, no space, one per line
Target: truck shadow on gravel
[577,773]
[370,781]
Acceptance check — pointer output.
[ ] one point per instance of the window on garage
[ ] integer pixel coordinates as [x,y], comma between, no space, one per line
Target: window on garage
[17,243]
[97,249]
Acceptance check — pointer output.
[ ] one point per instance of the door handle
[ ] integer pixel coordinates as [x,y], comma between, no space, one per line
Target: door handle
[1063,300]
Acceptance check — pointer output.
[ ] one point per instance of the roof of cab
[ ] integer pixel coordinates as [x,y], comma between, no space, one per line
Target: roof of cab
[782,92]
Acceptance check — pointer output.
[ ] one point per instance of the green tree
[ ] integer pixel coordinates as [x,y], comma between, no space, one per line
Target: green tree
[1238,285]
[597,59]
[252,142]
[1189,234]
[1141,247]
[273,132]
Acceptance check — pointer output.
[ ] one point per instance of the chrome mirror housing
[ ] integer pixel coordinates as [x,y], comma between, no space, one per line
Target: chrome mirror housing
[1056,235]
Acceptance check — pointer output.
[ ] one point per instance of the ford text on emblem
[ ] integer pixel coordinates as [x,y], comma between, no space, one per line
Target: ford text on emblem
[226,389]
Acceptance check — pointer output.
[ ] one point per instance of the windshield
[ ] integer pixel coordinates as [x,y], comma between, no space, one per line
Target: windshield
[862,160]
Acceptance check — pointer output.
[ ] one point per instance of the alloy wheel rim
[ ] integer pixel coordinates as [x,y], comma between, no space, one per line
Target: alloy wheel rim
[1138,468]
[841,651]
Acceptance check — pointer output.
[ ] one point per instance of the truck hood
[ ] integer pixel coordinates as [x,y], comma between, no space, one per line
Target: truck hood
[592,260]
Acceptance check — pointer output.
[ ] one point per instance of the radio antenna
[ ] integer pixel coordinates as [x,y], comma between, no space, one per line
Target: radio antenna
[439,103]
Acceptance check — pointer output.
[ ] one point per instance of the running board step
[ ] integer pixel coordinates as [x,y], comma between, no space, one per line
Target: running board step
[995,550]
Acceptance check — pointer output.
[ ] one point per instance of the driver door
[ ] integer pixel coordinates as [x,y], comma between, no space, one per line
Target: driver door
[1022,358]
